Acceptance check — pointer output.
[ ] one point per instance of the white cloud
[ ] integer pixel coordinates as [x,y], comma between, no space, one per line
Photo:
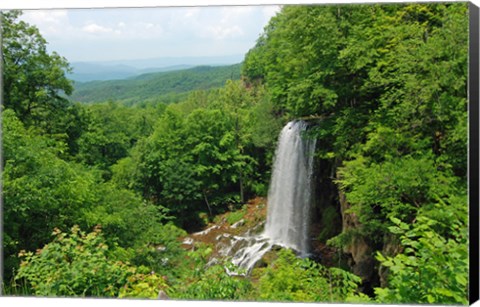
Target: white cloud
[94,28]
[226,23]
[45,17]
[140,30]
[49,22]
[236,12]
[222,32]
[270,10]
[191,13]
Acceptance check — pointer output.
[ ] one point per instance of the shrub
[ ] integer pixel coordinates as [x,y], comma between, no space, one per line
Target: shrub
[293,279]
[216,284]
[78,264]
[432,268]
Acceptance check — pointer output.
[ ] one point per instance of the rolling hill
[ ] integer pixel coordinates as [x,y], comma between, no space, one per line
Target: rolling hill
[167,87]
[122,69]
[86,72]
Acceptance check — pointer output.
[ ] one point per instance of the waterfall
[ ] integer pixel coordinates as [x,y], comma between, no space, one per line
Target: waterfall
[289,200]
[289,195]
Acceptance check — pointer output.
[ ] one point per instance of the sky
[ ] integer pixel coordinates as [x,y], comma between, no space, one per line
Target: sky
[143,33]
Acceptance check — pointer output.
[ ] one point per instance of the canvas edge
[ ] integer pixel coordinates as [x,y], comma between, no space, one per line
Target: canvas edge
[473,111]
[473,152]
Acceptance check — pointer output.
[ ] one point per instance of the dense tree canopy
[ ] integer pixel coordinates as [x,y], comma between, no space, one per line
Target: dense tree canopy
[197,157]
[164,87]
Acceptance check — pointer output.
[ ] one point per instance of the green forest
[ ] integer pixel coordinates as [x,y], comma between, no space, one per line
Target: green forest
[100,197]
[162,87]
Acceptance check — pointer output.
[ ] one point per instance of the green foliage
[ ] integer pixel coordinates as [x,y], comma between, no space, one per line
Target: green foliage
[216,284]
[160,249]
[387,85]
[296,56]
[330,221]
[112,131]
[143,286]
[395,188]
[433,267]
[163,87]
[389,82]
[383,64]
[199,156]
[236,216]
[292,279]
[34,80]
[126,218]
[40,190]
[77,264]
[418,103]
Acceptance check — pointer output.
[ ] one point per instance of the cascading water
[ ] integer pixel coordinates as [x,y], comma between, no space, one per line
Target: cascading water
[289,200]
[289,195]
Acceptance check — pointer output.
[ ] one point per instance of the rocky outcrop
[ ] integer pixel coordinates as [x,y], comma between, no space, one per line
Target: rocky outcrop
[326,218]
[162,295]
[330,218]
[362,254]
[362,259]
[391,247]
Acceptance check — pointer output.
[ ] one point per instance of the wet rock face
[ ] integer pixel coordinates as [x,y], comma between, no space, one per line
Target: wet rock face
[326,220]
[237,224]
[362,261]
[329,219]
[362,254]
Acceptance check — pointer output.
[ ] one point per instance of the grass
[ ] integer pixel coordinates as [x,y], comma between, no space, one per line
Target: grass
[236,216]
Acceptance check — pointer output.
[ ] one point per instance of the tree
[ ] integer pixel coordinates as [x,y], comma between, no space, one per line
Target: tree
[34,81]
[40,190]
[298,52]
[112,130]
[197,158]
[193,159]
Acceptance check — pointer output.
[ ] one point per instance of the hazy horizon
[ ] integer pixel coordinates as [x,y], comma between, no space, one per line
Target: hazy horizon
[114,62]
[121,69]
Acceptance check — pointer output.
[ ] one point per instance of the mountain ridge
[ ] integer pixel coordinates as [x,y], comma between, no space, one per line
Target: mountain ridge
[85,71]
[166,86]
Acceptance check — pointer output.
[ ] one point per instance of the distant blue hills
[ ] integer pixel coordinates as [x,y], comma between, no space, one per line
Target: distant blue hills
[118,70]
